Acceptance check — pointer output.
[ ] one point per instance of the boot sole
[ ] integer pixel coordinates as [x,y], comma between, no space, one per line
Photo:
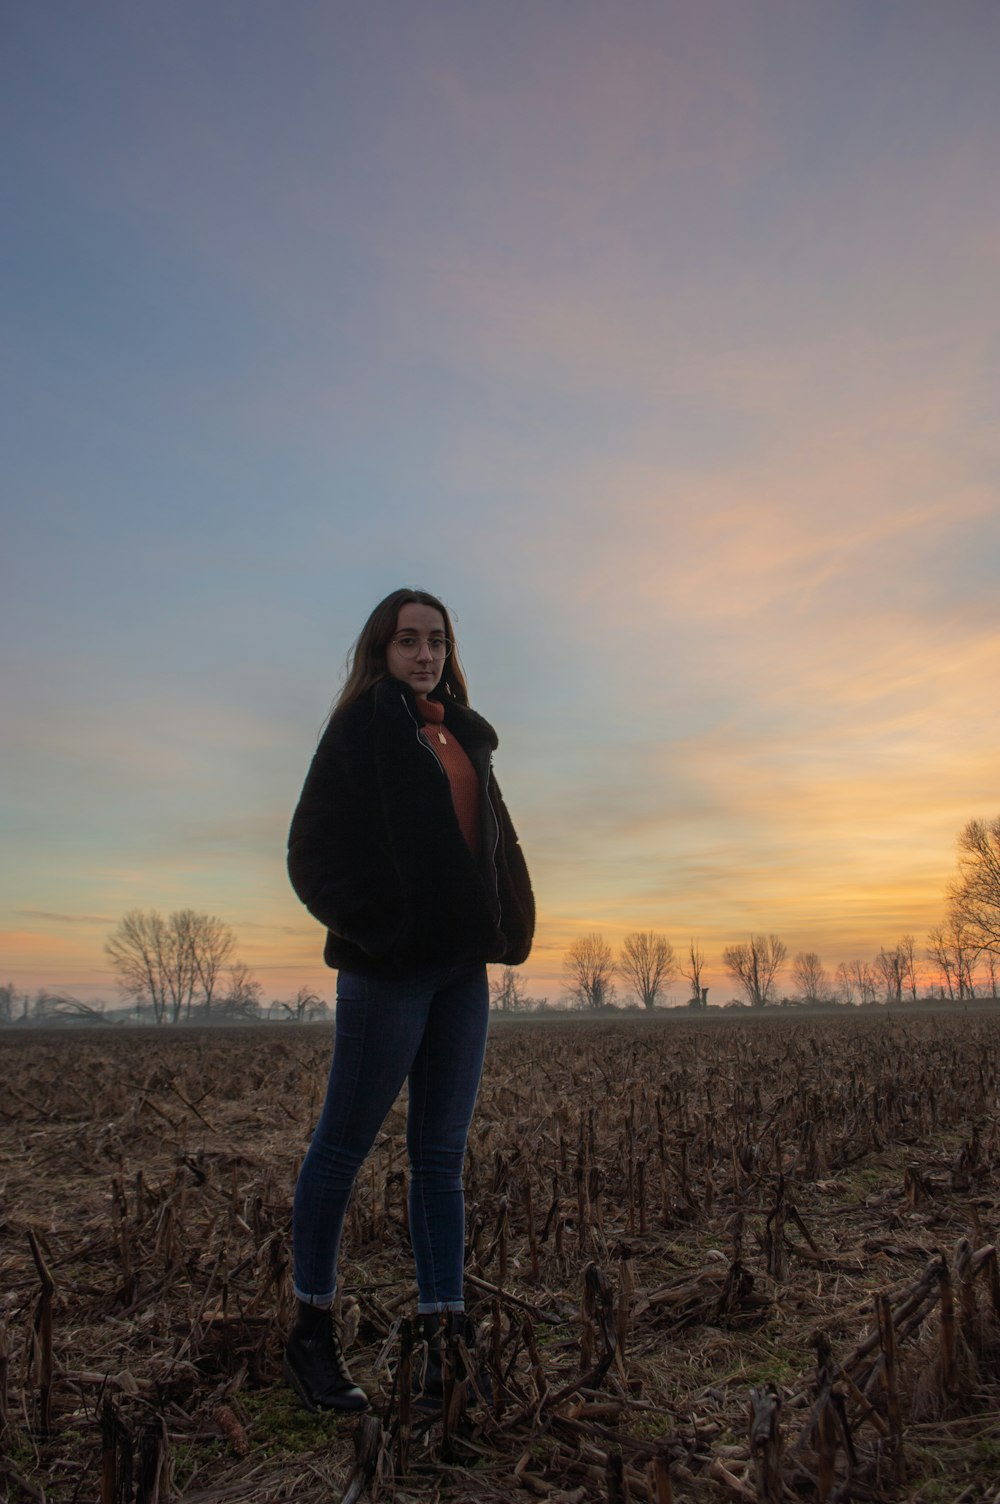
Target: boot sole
[352,1407]
[427,1404]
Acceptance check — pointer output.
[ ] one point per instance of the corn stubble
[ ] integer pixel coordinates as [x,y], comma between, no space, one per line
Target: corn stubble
[724,1259]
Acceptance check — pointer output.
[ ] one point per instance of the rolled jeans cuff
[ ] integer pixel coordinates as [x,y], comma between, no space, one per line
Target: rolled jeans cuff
[313,1300]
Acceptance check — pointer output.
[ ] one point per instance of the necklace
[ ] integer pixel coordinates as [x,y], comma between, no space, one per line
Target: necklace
[433,715]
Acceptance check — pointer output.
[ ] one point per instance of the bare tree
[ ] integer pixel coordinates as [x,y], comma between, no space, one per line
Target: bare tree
[307,1005]
[242,997]
[49,1005]
[953,949]
[693,971]
[939,953]
[810,976]
[139,952]
[975,896]
[846,990]
[858,982]
[589,967]
[507,992]
[13,1004]
[911,976]
[891,967]
[647,963]
[755,965]
[210,944]
[163,961]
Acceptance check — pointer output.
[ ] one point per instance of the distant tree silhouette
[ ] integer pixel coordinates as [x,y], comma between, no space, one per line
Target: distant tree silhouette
[307,1005]
[590,968]
[974,898]
[755,966]
[858,982]
[169,962]
[891,967]
[692,971]
[508,993]
[49,1005]
[646,963]
[810,976]
[242,997]
[953,947]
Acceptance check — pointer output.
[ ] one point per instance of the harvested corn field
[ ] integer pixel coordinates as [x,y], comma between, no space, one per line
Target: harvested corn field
[722,1259]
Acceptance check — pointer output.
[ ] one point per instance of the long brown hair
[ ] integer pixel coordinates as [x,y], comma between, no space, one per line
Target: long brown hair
[366,662]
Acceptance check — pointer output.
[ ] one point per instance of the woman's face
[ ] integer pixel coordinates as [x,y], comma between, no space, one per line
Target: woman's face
[421,625]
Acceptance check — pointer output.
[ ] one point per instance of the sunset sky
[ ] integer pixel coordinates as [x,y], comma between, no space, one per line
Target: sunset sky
[661,339]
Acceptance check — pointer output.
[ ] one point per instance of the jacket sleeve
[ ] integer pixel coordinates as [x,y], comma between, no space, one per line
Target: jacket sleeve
[338,860]
[517,901]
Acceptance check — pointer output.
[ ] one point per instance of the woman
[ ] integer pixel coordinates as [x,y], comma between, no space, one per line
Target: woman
[400,845]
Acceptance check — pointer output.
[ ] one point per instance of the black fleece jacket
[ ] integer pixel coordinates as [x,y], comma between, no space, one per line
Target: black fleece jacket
[376,854]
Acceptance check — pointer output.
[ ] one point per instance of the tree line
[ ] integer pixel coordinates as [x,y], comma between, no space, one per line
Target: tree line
[178,968]
[759,968]
[646,964]
[964,952]
[184,967]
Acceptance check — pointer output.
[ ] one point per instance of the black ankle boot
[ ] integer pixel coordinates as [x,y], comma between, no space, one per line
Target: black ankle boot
[442,1334]
[314,1364]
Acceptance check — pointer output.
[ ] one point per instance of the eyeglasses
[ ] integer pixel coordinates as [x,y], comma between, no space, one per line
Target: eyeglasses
[408,644]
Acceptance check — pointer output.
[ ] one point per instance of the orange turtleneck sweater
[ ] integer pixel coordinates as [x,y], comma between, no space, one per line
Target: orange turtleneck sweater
[461,774]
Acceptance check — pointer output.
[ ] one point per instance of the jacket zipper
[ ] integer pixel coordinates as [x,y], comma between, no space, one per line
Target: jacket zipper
[421,742]
[496,842]
[492,808]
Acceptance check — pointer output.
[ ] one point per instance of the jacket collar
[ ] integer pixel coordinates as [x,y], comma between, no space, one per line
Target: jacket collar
[396,698]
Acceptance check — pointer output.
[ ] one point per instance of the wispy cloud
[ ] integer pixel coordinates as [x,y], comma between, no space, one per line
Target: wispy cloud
[64,918]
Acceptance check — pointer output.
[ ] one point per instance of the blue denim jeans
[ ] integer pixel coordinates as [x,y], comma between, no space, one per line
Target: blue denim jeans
[431,1030]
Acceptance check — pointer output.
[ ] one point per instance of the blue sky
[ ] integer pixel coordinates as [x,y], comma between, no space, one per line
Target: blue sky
[660,340]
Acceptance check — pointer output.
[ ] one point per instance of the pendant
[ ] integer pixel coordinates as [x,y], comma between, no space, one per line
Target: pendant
[441,739]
